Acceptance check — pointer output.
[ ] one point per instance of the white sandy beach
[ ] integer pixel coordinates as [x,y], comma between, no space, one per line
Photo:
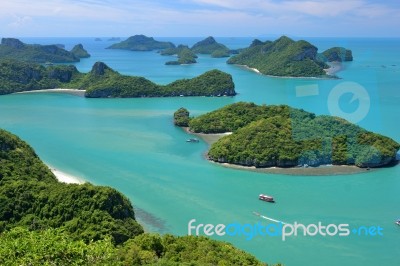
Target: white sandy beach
[66,178]
[58,90]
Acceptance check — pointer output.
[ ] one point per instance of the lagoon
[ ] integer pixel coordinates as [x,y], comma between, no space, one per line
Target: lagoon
[132,145]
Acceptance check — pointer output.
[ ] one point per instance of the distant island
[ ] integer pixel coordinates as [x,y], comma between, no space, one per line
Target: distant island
[285,57]
[282,136]
[113,39]
[45,222]
[185,55]
[141,43]
[212,47]
[11,48]
[104,82]
[79,51]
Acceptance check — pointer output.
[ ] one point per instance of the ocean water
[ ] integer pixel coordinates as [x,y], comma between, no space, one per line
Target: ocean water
[132,145]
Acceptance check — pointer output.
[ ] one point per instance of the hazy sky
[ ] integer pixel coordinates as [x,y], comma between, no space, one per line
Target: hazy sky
[175,18]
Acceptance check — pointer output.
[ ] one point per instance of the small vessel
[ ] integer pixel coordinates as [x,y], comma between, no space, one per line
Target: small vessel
[192,140]
[397,222]
[266,198]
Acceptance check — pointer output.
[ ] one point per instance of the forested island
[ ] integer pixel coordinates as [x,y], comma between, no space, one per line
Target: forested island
[11,48]
[212,47]
[285,57]
[282,136]
[141,43]
[45,222]
[185,55]
[104,82]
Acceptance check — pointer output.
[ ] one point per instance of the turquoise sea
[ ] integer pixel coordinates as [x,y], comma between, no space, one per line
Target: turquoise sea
[132,145]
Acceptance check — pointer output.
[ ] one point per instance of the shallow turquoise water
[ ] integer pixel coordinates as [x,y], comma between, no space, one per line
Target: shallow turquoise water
[131,144]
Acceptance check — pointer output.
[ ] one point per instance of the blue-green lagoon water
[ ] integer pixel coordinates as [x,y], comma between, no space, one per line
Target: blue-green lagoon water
[132,145]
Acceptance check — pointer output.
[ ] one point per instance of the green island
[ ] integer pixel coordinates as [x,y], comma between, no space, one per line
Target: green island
[285,57]
[45,222]
[185,55]
[212,47]
[79,51]
[282,136]
[11,48]
[104,82]
[141,43]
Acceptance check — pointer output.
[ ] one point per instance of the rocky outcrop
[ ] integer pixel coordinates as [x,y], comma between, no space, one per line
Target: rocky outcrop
[79,51]
[12,42]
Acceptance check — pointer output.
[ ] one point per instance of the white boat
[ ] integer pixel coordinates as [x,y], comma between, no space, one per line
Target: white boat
[266,198]
[192,140]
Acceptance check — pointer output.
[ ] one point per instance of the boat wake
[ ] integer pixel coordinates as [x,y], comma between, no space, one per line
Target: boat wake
[268,218]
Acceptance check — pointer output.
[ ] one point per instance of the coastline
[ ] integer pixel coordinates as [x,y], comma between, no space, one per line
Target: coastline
[334,67]
[64,177]
[76,92]
[322,170]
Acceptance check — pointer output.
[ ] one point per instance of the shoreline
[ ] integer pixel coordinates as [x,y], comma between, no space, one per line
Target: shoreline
[322,170]
[329,71]
[75,92]
[63,177]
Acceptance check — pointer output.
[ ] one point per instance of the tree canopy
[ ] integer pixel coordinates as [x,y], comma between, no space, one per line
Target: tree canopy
[265,136]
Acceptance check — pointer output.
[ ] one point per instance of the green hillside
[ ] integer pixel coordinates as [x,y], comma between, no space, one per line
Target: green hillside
[266,136]
[286,57]
[44,222]
[210,46]
[14,49]
[102,81]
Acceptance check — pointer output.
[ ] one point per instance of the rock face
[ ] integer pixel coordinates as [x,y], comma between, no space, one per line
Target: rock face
[12,42]
[141,43]
[99,68]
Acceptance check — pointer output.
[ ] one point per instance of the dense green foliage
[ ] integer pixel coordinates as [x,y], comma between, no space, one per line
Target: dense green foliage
[16,76]
[53,247]
[31,196]
[210,46]
[56,247]
[15,49]
[44,222]
[185,55]
[151,249]
[79,51]
[141,43]
[265,136]
[181,117]
[337,54]
[283,57]
[104,82]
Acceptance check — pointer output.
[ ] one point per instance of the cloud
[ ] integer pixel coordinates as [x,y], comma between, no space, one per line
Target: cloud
[19,22]
[194,17]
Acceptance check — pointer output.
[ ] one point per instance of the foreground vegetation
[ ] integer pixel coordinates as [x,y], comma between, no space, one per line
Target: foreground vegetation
[44,222]
[102,81]
[11,48]
[286,57]
[266,136]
